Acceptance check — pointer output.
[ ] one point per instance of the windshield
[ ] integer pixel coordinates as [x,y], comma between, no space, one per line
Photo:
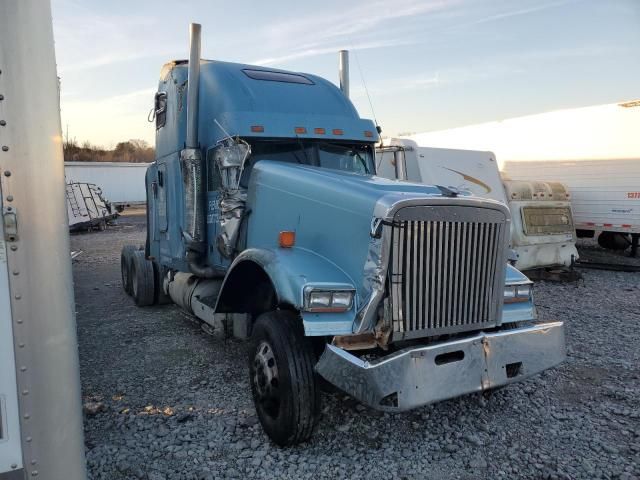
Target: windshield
[356,158]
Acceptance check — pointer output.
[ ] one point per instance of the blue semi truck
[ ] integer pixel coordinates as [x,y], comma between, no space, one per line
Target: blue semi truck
[265,212]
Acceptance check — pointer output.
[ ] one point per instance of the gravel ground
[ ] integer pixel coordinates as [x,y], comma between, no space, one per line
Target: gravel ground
[174,402]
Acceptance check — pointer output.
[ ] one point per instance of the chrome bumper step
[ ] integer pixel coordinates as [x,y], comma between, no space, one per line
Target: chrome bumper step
[418,376]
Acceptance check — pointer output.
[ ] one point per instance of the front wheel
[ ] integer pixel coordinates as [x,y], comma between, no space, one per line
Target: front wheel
[283,382]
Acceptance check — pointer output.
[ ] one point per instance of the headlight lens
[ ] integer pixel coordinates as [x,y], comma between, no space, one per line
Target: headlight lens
[329,301]
[342,299]
[517,293]
[523,291]
[319,300]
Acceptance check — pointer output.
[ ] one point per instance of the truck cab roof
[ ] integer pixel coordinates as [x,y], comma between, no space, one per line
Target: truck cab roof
[255,101]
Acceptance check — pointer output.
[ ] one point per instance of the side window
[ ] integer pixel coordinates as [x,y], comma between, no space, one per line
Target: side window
[161,109]
[214,181]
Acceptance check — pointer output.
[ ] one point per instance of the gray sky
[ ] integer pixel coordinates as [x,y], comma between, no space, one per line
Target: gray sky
[428,64]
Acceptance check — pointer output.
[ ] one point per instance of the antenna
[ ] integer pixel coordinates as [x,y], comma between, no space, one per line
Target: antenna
[364,84]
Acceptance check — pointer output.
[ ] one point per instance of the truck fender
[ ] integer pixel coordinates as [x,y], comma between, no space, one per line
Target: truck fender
[513,275]
[517,312]
[260,280]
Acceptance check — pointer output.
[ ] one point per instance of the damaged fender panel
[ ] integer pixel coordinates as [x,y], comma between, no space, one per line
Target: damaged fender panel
[290,271]
[418,376]
[232,205]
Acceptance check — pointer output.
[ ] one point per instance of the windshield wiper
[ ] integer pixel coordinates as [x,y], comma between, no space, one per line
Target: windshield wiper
[362,161]
[304,152]
[344,148]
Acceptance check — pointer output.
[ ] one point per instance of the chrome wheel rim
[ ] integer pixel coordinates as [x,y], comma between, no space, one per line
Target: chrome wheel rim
[266,380]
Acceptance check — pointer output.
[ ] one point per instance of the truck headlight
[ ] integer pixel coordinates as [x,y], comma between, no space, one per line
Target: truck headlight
[317,300]
[517,293]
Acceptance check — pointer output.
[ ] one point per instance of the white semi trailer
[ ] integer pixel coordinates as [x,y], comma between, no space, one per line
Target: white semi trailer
[605,195]
[122,184]
[542,230]
[40,405]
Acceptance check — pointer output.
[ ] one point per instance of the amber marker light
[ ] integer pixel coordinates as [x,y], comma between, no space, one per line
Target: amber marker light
[319,131]
[337,131]
[287,239]
[368,133]
[257,128]
[300,130]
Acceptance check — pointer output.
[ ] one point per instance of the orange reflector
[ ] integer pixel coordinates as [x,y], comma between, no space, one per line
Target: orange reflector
[257,128]
[368,133]
[319,131]
[300,130]
[337,131]
[287,239]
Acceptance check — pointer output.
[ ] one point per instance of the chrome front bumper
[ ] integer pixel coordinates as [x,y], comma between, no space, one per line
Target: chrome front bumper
[418,376]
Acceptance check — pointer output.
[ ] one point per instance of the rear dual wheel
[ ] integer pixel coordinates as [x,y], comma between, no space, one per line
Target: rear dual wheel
[283,382]
[126,259]
[142,280]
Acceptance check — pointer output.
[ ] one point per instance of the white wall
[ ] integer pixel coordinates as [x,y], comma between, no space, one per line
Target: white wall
[120,182]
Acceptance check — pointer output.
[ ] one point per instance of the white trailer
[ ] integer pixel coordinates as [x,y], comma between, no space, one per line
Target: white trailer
[605,194]
[542,231]
[122,184]
[40,405]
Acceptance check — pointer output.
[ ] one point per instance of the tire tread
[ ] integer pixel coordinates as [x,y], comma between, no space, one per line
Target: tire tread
[286,330]
[142,274]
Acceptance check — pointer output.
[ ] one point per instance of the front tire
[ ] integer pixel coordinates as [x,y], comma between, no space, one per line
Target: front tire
[283,381]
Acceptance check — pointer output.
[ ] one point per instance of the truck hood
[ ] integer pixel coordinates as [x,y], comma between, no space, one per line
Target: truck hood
[344,189]
[331,213]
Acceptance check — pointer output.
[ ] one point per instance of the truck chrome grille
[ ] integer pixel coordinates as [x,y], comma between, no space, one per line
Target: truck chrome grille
[446,276]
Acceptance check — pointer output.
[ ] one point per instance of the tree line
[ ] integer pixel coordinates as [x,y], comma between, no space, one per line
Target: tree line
[134,150]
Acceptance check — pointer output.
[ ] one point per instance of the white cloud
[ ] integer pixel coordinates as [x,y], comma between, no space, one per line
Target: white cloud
[514,13]
[363,26]
[314,51]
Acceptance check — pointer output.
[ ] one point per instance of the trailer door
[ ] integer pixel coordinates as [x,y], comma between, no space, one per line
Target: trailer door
[10,442]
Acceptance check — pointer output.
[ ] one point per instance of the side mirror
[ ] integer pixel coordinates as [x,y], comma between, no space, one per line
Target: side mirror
[160,107]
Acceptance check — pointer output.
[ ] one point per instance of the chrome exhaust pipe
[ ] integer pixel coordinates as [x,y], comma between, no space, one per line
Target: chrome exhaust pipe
[194,232]
[343,71]
[193,82]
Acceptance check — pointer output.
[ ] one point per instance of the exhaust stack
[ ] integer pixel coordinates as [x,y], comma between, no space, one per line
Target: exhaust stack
[193,231]
[193,85]
[343,71]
